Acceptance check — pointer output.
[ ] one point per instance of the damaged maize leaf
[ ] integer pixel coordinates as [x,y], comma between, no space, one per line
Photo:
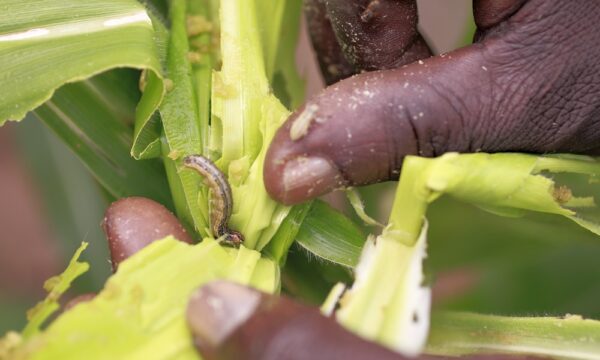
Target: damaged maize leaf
[389,301]
[45,45]
[244,113]
[78,40]
[140,312]
[55,286]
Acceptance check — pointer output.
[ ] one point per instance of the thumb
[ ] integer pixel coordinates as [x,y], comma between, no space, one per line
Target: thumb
[517,90]
[358,131]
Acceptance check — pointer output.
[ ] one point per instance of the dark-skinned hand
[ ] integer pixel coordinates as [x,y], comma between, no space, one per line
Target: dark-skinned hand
[530,83]
[247,324]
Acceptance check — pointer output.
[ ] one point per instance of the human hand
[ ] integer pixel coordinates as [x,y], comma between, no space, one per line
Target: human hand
[469,102]
[273,327]
[246,323]
[530,83]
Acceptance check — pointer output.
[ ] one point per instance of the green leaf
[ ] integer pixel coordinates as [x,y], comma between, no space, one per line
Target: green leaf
[309,278]
[180,123]
[204,49]
[388,286]
[286,233]
[456,334]
[330,235]
[55,286]
[92,129]
[498,182]
[147,130]
[140,312]
[475,178]
[45,44]
[359,207]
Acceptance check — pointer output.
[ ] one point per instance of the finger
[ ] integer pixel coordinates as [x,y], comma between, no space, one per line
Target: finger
[230,321]
[377,34]
[358,131]
[132,223]
[518,90]
[332,62]
[489,13]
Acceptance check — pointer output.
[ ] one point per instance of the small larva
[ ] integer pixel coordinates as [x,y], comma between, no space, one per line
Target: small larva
[221,201]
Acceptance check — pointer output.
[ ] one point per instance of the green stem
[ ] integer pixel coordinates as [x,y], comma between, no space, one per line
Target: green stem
[181,124]
[456,333]
[412,198]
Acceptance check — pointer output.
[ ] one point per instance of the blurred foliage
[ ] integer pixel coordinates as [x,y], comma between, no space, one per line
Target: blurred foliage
[74,216]
[536,265]
[12,312]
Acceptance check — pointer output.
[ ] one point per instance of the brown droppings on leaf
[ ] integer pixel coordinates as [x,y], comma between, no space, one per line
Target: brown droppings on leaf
[197,24]
[169,85]
[562,194]
[194,57]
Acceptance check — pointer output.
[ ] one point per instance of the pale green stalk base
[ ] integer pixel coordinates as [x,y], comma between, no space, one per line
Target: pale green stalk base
[246,114]
[388,302]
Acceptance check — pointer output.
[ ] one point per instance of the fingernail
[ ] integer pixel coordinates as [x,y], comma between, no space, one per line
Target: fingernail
[217,309]
[308,177]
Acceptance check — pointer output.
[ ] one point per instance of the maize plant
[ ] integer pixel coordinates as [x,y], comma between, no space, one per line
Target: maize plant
[134,89]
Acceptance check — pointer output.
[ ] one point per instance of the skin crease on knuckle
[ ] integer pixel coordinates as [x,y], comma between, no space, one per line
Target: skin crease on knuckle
[332,62]
[489,13]
[546,60]
[377,34]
